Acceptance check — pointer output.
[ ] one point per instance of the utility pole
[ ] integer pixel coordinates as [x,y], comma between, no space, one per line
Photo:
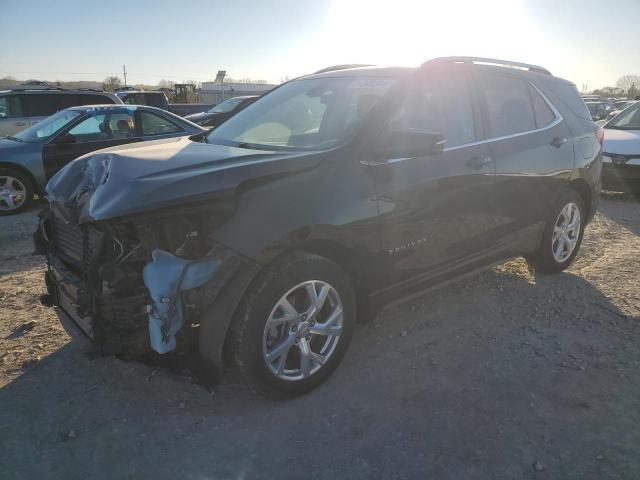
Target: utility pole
[124,72]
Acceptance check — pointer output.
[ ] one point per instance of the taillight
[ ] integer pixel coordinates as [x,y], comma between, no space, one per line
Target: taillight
[600,135]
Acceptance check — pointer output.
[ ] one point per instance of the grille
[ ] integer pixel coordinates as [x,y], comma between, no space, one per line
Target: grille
[68,240]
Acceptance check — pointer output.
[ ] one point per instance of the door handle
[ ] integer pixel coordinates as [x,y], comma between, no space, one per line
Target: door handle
[558,142]
[20,124]
[478,162]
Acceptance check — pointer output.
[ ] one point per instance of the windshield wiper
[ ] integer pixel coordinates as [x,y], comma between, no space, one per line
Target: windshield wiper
[14,138]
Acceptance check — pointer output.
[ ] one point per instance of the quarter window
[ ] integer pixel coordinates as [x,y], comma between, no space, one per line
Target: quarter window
[438,105]
[156,125]
[509,105]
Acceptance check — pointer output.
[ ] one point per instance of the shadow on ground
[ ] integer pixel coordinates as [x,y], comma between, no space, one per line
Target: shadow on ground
[502,376]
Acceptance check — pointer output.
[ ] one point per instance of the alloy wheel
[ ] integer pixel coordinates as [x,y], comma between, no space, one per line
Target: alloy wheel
[303,330]
[13,193]
[566,232]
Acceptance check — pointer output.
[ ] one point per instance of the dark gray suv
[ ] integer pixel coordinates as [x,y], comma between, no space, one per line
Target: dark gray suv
[261,242]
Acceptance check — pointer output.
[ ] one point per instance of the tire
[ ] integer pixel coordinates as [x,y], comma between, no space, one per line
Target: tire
[256,348]
[546,259]
[14,185]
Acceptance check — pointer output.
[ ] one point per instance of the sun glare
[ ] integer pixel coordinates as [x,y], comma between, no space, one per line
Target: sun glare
[408,32]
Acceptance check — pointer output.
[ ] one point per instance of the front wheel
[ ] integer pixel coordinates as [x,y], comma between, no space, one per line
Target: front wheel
[294,326]
[16,191]
[562,235]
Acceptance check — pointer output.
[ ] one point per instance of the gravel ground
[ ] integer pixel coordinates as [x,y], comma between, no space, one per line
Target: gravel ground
[507,375]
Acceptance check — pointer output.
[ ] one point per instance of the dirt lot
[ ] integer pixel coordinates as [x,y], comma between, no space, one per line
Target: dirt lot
[507,375]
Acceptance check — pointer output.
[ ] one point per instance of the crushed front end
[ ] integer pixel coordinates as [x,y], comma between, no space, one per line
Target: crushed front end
[137,283]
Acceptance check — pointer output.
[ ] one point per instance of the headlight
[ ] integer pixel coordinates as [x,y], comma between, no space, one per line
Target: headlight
[606,159]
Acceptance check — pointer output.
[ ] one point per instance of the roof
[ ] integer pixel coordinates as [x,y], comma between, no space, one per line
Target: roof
[61,91]
[368,71]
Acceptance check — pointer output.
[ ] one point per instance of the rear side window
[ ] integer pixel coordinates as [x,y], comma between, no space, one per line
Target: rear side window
[544,115]
[153,124]
[508,104]
[568,94]
[439,105]
[136,99]
[40,104]
[90,99]
[155,100]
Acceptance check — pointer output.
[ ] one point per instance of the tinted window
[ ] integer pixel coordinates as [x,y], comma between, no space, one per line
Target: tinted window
[40,104]
[544,114]
[3,107]
[438,105]
[155,100]
[508,104]
[92,99]
[135,99]
[567,93]
[153,124]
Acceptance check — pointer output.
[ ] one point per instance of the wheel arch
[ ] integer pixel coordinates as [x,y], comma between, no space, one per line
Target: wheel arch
[25,172]
[582,187]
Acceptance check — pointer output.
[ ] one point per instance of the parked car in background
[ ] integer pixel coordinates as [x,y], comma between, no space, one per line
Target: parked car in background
[221,112]
[26,105]
[622,104]
[599,110]
[144,97]
[31,157]
[330,195]
[621,151]
[598,98]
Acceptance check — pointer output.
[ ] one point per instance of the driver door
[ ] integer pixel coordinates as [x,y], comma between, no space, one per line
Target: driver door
[88,135]
[437,211]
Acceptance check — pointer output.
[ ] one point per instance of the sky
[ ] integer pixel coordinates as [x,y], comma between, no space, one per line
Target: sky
[591,42]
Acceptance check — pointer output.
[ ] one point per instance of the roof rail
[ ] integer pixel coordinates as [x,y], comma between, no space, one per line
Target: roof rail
[343,67]
[37,86]
[487,61]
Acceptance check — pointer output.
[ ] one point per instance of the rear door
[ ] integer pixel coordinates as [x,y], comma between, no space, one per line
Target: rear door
[436,210]
[533,151]
[12,118]
[88,135]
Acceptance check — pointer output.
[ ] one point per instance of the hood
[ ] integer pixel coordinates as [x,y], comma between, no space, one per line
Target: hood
[621,142]
[163,173]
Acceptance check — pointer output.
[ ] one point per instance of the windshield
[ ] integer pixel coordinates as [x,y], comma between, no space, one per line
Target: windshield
[47,127]
[629,119]
[307,114]
[226,106]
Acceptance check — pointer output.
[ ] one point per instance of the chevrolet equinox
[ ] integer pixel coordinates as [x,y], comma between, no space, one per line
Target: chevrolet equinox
[260,243]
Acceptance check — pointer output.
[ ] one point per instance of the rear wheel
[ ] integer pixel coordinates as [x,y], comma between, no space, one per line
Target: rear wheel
[562,235]
[16,191]
[294,326]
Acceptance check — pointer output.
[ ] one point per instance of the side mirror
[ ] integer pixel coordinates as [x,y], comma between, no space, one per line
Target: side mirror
[66,138]
[413,143]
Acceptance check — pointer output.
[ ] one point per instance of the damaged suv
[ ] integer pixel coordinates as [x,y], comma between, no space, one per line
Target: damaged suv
[261,242]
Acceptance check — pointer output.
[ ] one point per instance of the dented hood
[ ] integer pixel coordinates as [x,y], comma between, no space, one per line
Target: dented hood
[163,173]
